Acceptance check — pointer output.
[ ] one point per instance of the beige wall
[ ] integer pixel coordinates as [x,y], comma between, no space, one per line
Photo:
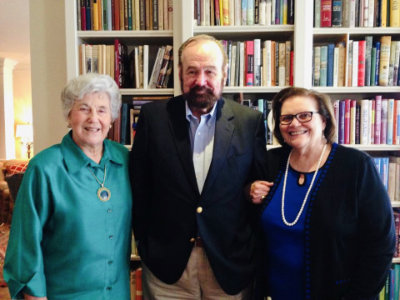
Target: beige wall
[48,65]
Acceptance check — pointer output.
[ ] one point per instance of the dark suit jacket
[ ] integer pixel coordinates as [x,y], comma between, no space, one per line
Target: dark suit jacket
[165,193]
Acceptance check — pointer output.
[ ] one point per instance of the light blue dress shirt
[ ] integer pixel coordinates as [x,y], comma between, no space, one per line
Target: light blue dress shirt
[201,134]
[65,243]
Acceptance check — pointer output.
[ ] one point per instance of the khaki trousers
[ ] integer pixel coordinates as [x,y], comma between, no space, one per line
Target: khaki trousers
[197,282]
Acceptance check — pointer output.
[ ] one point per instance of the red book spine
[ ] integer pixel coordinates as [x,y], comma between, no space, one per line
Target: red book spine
[139,289]
[116,14]
[361,63]
[249,48]
[291,68]
[117,55]
[216,12]
[347,121]
[326,13]
[83,15]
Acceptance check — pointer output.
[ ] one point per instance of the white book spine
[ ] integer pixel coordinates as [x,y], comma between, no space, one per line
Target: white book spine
[233,66]
[238,12]
[355,64]
[232,9]
[257,62]
[371,12]
[365,122]
[268,63]
[352,13]
[268,12]
[145,66]
[241,64]
[335,66]
[262,12]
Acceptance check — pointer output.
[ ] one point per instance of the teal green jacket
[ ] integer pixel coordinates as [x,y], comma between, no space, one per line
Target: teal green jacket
[64,242]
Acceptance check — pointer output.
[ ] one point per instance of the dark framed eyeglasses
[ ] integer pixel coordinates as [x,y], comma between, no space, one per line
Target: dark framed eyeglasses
[302,117]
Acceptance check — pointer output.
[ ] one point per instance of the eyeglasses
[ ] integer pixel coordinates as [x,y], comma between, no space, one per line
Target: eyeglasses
[302,117]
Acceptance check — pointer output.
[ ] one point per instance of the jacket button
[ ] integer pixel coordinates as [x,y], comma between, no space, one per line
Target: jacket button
[199,210]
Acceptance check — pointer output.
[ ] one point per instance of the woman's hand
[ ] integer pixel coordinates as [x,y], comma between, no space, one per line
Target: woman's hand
[259,190]
[29,297]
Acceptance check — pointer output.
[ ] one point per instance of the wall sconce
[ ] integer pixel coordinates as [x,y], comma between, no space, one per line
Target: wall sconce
[25,132]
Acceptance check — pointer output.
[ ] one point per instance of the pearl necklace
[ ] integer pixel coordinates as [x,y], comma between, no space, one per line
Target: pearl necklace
[308,192]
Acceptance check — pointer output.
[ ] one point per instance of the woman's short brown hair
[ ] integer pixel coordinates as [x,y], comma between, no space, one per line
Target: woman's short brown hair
[324,108]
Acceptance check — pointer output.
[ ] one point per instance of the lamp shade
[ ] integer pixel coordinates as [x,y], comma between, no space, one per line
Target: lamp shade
[24,131]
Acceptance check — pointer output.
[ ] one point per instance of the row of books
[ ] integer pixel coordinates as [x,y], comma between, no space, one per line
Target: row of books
[124,14]
[369,63]
[389,171]
[368,121]
[392,286]
[259,63]
[123,129]
[145,67]
[356,13]
[396,215]
[243,12]
[264,106]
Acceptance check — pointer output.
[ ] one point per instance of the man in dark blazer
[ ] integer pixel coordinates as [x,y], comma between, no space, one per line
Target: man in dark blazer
[191,159]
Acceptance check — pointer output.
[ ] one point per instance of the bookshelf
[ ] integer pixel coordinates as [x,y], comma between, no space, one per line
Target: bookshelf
[302,34]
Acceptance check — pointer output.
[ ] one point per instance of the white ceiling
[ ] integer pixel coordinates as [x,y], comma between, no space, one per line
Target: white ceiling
[14,31]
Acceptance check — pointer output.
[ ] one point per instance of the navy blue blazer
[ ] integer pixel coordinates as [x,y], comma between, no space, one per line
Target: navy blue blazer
[165,193]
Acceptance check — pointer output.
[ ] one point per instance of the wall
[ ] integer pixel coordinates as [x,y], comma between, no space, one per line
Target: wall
[22,103]
[48,68]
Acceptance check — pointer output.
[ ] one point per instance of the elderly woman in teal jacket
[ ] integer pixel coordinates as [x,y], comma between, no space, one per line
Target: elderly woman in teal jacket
[71,229]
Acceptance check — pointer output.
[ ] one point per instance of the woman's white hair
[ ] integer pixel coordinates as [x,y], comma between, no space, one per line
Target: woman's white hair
[89,83]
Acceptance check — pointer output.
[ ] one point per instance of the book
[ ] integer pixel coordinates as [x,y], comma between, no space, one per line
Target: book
[156,67]
[164,66]
[368,53]
[337,13]
[361,63]
[326,13]
[317,65]
[394,13]
[282,64]
[378,115]
[249,62]
[323,65]
[384,60]
[330,64]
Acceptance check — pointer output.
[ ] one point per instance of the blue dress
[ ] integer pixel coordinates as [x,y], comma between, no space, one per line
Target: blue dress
[285,244]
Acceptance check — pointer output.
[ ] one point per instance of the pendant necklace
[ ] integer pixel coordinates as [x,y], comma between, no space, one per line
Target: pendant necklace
[103,193]
[308,191]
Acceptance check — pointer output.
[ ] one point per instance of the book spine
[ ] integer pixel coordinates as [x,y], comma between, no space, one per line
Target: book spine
[249,46]
[326,13]
[342,113]
[361,63]
[390,122]
[317,65]
[257,62]
[347,124]
[331,50]
[337,13]
[378,115]
[384,120]
[384,60]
